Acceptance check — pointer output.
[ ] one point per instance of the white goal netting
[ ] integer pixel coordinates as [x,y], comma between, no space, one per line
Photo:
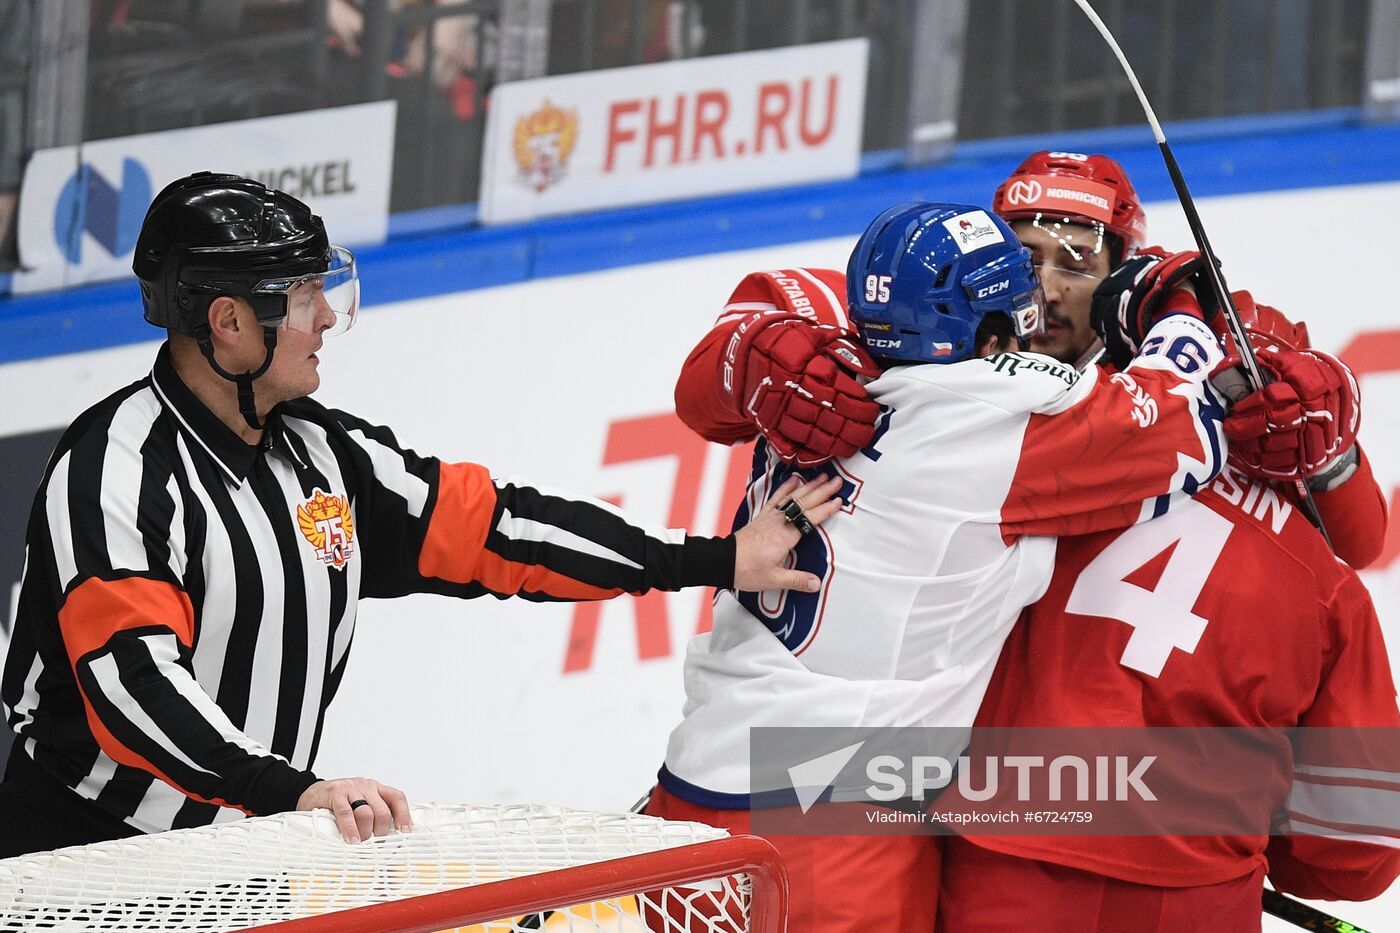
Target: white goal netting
[266,870]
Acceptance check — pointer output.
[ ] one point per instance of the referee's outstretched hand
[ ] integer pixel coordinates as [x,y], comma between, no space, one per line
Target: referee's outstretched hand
[380,807]
[763,545]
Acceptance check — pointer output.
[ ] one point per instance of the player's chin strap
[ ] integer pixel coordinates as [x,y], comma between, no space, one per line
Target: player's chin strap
[246,406]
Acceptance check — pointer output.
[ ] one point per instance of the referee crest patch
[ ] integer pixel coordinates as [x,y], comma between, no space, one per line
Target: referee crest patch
[326,524]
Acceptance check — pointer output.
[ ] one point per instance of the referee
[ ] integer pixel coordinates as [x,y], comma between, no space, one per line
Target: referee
[201,538]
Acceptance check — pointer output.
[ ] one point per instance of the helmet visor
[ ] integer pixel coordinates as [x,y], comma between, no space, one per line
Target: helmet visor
[1078,240]
[319,302]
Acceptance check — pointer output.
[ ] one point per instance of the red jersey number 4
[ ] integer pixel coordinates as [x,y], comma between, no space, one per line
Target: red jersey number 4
[1162,618]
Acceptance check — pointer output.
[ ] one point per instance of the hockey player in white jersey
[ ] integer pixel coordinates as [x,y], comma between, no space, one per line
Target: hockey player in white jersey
[980,456]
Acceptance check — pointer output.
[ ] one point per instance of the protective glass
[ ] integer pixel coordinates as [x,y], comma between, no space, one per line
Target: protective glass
[1045,268]
[319,302]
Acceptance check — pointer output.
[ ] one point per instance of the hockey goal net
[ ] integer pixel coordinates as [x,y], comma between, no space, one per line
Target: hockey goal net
[477,869]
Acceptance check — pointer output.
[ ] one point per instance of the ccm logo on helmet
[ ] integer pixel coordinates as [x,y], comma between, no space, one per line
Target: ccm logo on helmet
[883,343]
[993,289]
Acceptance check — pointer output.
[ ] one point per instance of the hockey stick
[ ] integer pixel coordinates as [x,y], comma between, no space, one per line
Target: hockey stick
[1217,280]
[1279,905]
[1305,916]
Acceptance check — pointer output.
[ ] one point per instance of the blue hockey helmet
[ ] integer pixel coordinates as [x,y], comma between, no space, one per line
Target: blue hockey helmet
[923,276]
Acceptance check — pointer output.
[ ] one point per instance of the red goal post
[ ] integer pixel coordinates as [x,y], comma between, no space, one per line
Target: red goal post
[567,887]
[476,869]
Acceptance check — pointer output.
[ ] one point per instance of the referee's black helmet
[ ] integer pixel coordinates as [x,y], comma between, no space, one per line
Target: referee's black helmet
[209,234]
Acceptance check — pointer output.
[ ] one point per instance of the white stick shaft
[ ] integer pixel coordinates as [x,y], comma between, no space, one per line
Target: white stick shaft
[1123,60]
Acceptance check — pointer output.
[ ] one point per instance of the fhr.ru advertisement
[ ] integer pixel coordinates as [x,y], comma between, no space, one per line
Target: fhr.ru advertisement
[674,130]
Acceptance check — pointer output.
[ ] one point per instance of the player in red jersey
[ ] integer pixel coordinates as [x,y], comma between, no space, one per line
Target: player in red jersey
[1228,613]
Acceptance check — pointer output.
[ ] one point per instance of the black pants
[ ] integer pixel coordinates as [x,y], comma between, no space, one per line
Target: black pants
[38,813]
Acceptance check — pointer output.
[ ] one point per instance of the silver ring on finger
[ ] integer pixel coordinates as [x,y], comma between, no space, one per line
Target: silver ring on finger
[793,514]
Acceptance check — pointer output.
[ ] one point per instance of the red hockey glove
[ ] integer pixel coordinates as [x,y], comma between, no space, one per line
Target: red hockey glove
[1143,289]
[800,388]
[1300,425]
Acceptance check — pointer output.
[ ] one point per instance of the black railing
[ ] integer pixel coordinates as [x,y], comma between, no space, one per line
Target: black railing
[441,100]
[1032,67]
[176,64]
[14,83]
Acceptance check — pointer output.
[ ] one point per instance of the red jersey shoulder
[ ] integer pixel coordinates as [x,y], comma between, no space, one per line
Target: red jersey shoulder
[1264,509]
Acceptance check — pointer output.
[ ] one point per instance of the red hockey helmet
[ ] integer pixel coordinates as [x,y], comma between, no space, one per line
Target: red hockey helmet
[1267,327]
[1087,189]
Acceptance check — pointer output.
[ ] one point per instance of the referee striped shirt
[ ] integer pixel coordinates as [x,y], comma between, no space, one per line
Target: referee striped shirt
[189,600]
